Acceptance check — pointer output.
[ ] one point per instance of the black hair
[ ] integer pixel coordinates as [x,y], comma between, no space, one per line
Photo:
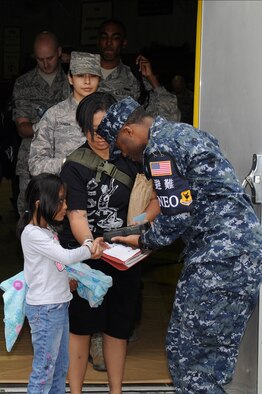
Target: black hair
[137,115]
[45,188]
[115,22]
[89,106]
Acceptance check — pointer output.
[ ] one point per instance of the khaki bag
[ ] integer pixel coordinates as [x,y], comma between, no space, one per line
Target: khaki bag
[140,196]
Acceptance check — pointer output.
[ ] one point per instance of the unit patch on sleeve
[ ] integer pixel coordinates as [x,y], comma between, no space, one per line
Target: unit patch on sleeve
[171,187]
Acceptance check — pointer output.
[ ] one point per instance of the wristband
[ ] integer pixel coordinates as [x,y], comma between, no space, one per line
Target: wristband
[89,243]
[88,240]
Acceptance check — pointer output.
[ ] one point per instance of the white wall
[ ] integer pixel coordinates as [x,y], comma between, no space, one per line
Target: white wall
[230,107]
[231,78]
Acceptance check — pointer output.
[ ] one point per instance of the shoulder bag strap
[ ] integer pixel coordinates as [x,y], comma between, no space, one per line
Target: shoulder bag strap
[89,159]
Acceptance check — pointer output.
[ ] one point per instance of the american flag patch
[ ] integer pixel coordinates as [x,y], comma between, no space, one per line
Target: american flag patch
[161,168]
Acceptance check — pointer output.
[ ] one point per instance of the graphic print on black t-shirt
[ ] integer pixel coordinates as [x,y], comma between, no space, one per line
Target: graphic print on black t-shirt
[98,206]
[106,201]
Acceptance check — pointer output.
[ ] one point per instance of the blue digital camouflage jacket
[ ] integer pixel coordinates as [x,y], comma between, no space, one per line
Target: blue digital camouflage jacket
[201,199]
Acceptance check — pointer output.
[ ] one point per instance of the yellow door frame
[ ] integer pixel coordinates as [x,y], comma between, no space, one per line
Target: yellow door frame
[198,64]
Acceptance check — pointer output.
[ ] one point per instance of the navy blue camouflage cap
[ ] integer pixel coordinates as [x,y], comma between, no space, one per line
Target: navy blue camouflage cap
[115,117]
[85,63]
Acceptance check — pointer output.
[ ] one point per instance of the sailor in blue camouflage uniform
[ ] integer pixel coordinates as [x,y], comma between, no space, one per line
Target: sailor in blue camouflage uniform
[203,202]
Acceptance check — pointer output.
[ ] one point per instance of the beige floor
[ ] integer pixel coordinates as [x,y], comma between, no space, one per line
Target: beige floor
[146,359]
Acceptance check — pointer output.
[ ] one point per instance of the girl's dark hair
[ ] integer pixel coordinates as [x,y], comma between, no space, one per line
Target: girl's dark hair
[45,188]
[89,106]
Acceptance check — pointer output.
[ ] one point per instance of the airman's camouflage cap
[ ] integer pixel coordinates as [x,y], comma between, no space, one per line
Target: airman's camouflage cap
[85,63]
[115,117]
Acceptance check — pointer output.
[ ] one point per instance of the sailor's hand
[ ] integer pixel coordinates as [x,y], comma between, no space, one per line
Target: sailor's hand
[130,240]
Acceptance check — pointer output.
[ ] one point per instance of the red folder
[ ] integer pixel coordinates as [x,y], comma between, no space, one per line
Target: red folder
[123,257]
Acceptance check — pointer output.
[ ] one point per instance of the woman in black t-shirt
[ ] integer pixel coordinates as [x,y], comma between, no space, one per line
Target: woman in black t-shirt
[96,206]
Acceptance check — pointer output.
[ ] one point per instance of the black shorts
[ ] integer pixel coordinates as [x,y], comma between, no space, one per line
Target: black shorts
[117,314]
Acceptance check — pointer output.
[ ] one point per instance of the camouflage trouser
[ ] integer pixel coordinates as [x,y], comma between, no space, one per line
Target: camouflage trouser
[212,306]
[23,182]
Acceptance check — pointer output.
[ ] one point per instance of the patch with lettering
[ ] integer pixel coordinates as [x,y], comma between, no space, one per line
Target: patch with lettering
[172,188]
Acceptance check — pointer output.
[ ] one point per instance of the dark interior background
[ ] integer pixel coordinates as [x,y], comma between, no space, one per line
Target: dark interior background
[162,30]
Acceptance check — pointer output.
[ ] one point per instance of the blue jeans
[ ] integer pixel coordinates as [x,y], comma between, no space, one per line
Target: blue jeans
[50,338]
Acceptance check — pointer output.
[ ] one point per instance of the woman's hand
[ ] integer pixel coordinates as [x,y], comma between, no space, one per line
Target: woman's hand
[98,247]
[130,240]
[73,284]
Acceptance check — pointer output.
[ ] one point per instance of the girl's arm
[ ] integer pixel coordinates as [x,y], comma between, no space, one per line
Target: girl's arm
[41,243]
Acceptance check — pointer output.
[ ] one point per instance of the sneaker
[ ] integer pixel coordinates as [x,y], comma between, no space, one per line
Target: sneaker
[96,356]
